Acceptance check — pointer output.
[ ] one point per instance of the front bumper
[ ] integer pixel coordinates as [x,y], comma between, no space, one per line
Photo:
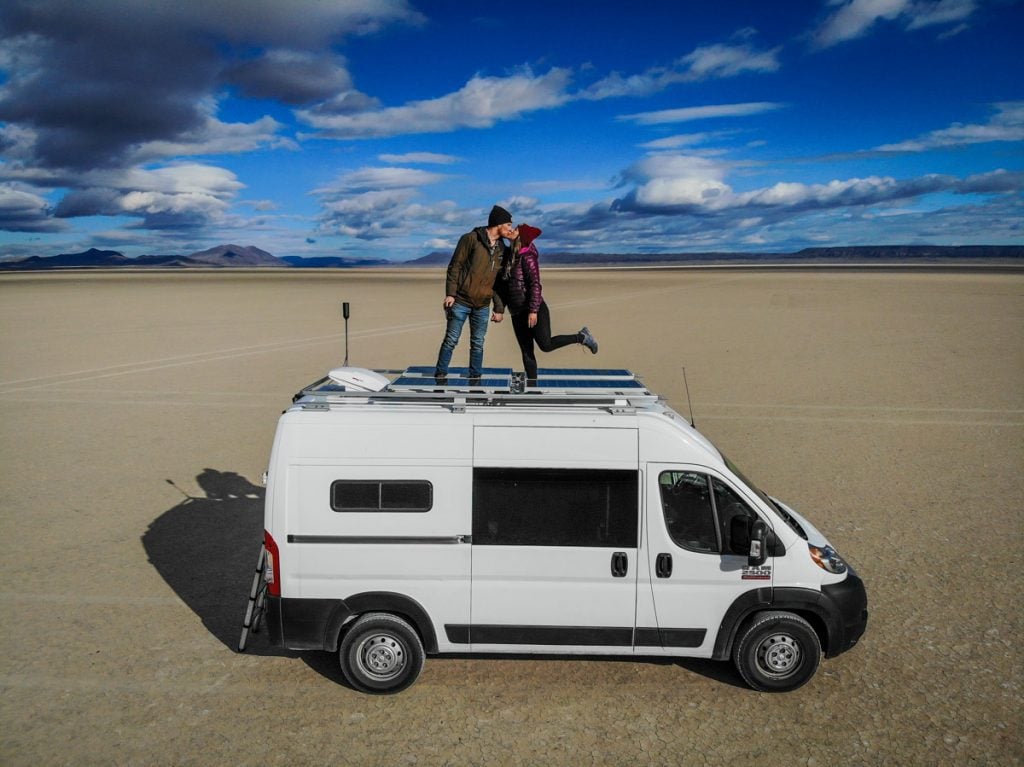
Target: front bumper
[848,602]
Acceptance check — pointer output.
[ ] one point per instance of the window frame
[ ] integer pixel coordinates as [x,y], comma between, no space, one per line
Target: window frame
[627,481]
[709,480]
[380,508]
[714,515]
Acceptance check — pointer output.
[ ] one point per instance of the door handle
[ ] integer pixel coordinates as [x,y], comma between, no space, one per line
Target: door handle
[620,564]
[663,566]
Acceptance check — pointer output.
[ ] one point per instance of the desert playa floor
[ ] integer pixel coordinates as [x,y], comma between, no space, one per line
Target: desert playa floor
[136,418]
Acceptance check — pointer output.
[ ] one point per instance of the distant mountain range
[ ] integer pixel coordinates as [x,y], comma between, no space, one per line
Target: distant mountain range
[227,256]
[222,256]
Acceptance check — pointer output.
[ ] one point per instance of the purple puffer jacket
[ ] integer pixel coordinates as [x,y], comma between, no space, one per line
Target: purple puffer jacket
[518,283]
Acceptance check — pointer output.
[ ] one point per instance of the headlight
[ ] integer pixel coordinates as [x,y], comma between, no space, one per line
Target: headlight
[827,559]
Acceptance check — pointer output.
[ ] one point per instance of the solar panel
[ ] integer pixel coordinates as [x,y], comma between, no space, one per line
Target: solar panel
[427,371]
[590,384]
[504,380]
[583,373]
[424,383]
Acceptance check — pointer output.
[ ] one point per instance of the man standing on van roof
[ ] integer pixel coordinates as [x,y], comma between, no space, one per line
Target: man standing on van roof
[469,288]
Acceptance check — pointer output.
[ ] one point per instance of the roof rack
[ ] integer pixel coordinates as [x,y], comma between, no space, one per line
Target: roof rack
[615,389]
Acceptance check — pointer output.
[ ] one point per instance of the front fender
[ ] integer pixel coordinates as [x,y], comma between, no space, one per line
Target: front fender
[838,612]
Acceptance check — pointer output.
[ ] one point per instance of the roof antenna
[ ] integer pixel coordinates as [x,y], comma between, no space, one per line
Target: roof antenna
[344,311]
[688,404]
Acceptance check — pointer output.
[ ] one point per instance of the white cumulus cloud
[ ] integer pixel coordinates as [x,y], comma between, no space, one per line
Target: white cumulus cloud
[420,158]
[687,114]
[706,62]
[1007,124]
[856,18]
[480,103]
[375,203]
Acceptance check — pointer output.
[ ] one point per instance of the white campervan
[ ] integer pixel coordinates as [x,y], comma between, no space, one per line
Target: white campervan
[580,515]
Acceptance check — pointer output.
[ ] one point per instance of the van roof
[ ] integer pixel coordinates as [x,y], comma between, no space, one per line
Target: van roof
[576,387]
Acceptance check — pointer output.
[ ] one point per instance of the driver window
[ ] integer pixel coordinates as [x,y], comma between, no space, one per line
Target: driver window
[689,516]
[729,505]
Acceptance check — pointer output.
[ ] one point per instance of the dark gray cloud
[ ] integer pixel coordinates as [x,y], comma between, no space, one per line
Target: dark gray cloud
[89,202]
[23,211]
[348,103]
[92,86]
[291,77]
[996,182]
[105,86]
[96,80]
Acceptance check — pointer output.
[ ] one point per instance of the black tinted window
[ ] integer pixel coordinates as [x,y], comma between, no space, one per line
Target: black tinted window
[728,505]
[555,507]
[689,515]
[381,495]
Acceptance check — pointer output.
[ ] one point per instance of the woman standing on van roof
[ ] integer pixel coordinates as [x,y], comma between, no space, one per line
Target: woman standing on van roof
[518,286]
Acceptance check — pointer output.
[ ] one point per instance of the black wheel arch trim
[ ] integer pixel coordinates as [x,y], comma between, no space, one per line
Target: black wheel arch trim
[383,602]
[743,606]
[804,602]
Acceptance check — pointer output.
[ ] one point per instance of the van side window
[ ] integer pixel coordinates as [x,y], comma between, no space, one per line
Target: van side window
[555,507]
[728,505]
[381,495]
[689,515]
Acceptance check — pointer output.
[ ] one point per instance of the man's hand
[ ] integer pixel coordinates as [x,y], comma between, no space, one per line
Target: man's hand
[449,302]
[531,320]
[495,317]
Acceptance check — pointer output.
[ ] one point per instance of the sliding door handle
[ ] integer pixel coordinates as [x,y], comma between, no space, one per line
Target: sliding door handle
[663,566]
[620,564]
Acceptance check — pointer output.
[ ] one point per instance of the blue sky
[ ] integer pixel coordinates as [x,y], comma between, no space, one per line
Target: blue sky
[386,128]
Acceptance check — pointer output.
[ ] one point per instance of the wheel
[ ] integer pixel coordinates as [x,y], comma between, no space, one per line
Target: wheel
[381,653]
[777,652]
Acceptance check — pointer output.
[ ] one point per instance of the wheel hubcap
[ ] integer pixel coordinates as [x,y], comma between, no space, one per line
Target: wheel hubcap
[778,655]
[381,656]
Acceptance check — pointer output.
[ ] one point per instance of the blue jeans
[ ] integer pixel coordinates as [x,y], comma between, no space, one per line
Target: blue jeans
[457,317]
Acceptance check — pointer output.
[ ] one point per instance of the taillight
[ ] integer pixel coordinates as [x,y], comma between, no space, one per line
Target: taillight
[273,569]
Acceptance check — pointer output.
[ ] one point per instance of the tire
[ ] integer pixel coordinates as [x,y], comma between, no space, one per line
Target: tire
[777,652]
[381,654]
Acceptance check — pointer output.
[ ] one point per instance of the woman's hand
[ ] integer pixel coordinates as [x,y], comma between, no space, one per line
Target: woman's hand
[531,320]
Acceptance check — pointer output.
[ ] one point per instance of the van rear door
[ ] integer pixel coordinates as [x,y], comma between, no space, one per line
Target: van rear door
[555,540]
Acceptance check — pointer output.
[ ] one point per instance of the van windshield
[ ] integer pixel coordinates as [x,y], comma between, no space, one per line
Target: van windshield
[786,516]
[743,478]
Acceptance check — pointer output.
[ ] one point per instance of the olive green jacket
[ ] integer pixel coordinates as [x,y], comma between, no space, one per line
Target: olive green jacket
[472,270]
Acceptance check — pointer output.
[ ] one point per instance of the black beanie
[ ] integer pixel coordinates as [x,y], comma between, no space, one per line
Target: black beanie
[499,216]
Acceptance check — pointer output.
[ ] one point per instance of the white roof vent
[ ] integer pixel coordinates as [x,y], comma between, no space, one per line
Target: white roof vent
[358,379]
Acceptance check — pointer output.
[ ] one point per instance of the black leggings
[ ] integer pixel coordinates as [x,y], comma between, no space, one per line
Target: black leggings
[541,333]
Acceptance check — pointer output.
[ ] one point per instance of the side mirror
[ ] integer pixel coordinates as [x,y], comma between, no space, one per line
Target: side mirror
[739,534]
[758,551]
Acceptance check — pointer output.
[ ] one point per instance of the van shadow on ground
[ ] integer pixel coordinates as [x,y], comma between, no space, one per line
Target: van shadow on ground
[206,549]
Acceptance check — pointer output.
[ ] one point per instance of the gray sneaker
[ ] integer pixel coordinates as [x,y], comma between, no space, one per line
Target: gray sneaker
[588,340]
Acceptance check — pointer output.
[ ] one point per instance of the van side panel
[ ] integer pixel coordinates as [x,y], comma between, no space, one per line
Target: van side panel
[332,550]
[555,446]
